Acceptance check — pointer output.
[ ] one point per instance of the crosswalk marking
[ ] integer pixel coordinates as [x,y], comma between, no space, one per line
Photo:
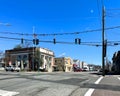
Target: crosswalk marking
[97,82]
[119,78]
[91,90]
[8,93]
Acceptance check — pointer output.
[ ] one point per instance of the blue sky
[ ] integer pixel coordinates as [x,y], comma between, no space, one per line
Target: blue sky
[61,16]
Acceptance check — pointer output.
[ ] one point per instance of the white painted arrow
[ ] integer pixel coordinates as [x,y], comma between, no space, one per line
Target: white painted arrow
[8,93]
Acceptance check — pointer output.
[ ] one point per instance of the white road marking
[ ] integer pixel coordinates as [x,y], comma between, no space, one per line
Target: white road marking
[91,90]
[97,82]
[8,93]
[119,78]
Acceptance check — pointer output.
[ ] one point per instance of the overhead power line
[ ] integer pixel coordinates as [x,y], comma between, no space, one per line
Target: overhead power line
[97,44]
[113,9]
[54,34]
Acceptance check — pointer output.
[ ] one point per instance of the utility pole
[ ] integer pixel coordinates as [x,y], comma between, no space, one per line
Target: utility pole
[103,41]
[33,49]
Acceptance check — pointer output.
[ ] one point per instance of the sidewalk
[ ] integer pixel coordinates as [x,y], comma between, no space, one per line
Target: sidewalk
[109,86]
[105,93]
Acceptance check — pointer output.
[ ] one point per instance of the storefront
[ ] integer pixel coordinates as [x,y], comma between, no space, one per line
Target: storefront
[24,58]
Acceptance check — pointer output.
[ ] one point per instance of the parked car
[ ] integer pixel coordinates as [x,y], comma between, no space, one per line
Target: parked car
[101,70]
[77,69]
[11,68]
[41,69]
[85,69]
[17,69]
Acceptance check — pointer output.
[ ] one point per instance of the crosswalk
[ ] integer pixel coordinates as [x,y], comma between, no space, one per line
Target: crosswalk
[119,78]
[91,90]
[8,93]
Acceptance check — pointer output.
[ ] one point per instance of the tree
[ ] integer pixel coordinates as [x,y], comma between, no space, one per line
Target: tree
[37,59]
[18,46]
[26,44]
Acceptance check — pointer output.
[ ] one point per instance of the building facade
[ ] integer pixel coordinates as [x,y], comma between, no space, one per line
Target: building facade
[77,62]
[64,64]
[116,62]
[84,66]
[24,58]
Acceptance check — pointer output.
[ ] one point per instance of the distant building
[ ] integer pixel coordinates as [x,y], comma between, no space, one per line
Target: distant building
[63,64]
[84,66]
[23,58]
[116,62]
[93,67]
[77,62]
[2,63]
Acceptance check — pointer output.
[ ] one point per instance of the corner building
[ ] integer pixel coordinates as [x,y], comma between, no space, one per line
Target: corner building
[23,58]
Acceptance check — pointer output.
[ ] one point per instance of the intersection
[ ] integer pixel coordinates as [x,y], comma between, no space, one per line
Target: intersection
[58,84]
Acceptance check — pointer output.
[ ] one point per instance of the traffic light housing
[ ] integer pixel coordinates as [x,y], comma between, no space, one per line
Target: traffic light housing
[54,41]
[22,40]
[36,41]
[77,40]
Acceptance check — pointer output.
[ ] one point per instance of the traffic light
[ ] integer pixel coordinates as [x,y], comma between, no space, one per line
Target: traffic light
[36,41]
[22,40]
[54,41]
[77,41]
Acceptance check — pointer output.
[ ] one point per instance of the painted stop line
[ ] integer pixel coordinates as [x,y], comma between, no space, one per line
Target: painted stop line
[8,93]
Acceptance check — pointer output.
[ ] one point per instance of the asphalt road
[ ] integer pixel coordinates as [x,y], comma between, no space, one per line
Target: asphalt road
[56,84]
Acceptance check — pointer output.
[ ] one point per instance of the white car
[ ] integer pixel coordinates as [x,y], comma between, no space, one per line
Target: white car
[17,69]
[11,68]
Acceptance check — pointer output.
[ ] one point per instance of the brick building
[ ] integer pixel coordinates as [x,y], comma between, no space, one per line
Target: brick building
[116,62]
[23,58]
[64,64]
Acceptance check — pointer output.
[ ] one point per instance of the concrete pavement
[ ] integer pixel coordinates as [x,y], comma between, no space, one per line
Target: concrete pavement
[58,84]
[44,84]
[109,86]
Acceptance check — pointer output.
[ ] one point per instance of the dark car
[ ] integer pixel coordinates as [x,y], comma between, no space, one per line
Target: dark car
[77,69]
[101,70]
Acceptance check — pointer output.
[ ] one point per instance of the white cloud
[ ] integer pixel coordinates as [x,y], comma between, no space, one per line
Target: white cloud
[62,54]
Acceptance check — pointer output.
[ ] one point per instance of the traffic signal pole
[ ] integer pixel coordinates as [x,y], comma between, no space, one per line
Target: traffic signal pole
[103,41]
